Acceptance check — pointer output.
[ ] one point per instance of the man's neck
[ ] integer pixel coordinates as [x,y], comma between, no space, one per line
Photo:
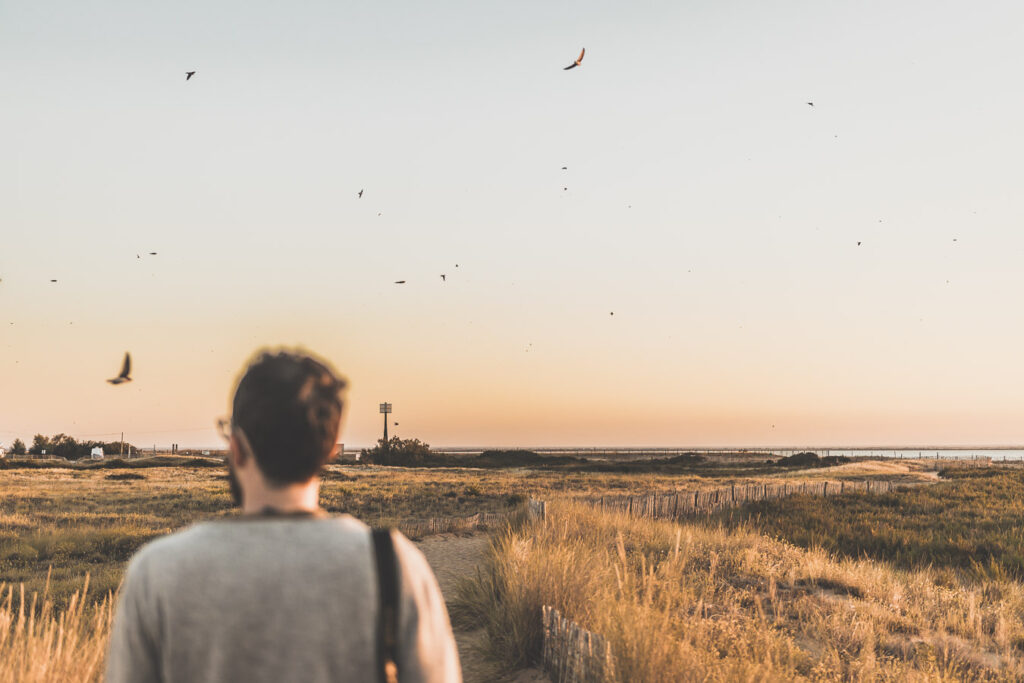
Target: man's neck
[286,499]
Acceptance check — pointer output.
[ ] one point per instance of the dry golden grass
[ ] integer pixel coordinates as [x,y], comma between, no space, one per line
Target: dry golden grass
[78,522]
[41,643]
[896,471]
[698,603]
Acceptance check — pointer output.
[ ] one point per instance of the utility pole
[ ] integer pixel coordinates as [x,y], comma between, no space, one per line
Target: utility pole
[385,410]
[121,454]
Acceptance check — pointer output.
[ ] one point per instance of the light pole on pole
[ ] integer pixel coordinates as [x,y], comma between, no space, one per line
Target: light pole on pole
[385,410]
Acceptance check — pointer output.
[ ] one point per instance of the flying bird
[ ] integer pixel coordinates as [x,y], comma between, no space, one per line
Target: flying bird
[189,74]
[52,280]
[612,313]
[152,253]
[810,104]
[126,371]
[577,62]
[443,278]
[360,194]
[858,244]
[399,282]
[565,168]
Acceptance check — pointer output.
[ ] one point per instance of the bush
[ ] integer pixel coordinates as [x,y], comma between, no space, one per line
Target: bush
[808,459]
[402,453]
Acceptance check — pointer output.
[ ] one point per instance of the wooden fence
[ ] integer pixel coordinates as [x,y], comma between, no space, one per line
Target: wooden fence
[573,654]
[948,464]
[687,503]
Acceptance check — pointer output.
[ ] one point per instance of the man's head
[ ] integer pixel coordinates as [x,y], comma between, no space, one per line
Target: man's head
[287,411]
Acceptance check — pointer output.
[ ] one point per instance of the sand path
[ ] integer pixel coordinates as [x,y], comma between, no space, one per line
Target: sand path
[453,557]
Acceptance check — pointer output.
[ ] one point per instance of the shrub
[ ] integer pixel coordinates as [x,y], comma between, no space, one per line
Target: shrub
[808,459]
[402,453]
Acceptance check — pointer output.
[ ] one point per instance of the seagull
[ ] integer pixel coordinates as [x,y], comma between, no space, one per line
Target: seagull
[152,253]
[399,282]
[443,278]
[810,104]
[52,280]
[456,265]
[577,62]
[126,371]
[565,168]
[612,313]
[189,74]
[858,244]
[360,194]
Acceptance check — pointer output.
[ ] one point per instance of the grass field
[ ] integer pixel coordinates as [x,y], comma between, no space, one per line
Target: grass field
[700,602]
[763,608]
[971,521]
[90,520]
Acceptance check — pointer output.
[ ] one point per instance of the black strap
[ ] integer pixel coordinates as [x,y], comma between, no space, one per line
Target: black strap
[387,615]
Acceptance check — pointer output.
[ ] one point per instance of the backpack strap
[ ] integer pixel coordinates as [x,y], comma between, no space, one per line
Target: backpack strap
[387,616]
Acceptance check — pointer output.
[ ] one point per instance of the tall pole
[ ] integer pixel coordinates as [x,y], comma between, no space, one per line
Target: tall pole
[122,445]
[385,410]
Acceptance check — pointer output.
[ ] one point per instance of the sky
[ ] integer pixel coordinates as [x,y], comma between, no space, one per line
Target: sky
[720,263]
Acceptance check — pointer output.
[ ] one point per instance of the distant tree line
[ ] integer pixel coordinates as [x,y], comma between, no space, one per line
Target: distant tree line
[64,446]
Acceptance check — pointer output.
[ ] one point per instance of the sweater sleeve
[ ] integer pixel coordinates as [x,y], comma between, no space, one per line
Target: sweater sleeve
[132,653]
[427,650]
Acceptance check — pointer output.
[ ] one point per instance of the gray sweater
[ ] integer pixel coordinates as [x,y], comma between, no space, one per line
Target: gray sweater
[273,599]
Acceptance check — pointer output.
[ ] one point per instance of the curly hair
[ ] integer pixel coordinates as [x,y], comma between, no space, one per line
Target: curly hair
[289,406]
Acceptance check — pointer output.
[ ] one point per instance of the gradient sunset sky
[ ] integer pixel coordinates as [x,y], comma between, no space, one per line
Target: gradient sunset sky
[708,206]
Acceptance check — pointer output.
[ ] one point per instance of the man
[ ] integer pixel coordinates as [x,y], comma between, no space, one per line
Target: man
[282,592]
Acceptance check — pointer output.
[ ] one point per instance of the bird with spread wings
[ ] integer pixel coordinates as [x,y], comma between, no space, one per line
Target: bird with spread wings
[126,371]
[577,62]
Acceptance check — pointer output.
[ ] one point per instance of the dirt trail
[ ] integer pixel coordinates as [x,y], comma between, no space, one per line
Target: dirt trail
[453,557]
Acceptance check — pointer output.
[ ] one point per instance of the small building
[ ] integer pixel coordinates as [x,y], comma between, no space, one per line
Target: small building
[343,456]
[96,453]
[3,452]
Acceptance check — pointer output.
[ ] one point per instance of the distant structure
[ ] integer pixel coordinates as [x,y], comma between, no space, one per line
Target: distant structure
[385,410]
[96,453]
[3,452]
[351,456]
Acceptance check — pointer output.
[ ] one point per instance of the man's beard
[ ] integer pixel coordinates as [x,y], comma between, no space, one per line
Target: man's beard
[233,487]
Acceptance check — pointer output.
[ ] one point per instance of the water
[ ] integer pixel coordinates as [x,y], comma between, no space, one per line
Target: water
[997,454]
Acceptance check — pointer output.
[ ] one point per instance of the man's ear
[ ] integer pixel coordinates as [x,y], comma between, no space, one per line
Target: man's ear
[237,453]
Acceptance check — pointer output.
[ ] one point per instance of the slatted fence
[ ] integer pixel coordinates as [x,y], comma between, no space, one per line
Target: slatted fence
[573,654]
[688,503]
